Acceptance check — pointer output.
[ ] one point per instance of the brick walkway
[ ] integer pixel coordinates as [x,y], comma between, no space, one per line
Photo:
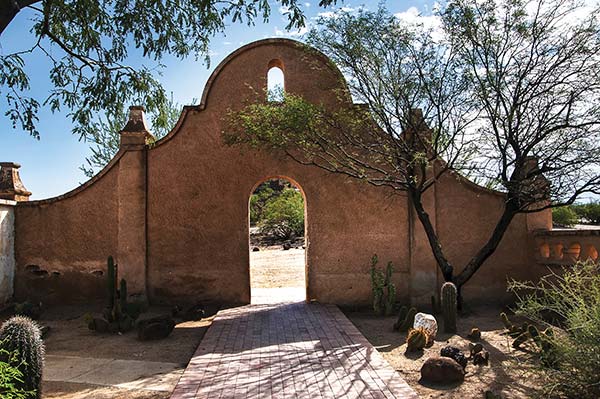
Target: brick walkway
[292,350]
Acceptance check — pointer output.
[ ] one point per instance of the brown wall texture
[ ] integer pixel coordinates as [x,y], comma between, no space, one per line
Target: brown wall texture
[175,215]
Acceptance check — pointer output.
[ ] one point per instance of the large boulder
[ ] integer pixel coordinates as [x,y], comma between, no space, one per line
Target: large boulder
[442,370]
[427,322]
[154,328]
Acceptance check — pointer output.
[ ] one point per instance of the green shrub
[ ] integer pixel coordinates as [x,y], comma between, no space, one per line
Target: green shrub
[569,300]
[589,213]
[564,216]
[283,215]
[258,201]
[11,377]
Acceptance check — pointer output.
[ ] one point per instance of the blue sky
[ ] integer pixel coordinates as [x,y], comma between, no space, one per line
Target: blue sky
[50,166]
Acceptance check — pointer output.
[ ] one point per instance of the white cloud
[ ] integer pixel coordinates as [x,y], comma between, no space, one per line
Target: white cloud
[307,4]
[284,10]
[412,16]
[283,33]
[226,43]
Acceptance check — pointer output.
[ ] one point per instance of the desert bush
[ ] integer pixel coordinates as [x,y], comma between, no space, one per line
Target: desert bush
[564,216]
[11,377]
[569,303]
[283,215]
[258,200]
[589,213]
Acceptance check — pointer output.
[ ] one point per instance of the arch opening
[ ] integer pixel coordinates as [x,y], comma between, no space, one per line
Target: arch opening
[275,81]
[277,242]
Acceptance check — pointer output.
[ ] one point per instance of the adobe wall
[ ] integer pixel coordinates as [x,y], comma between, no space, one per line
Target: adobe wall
[175,214]
[7,250]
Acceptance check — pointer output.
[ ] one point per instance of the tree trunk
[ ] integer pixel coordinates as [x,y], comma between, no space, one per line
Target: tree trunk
[434,242]
[510,210]
[10,8]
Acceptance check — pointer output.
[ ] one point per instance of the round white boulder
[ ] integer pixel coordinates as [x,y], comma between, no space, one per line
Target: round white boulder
[426,321]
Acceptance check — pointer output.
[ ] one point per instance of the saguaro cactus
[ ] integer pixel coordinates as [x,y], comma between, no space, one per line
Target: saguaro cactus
[448,300]
[111,278]
[22,336]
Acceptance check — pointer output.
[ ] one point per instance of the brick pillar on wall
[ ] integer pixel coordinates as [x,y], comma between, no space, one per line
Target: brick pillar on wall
[132,190]
[423,266]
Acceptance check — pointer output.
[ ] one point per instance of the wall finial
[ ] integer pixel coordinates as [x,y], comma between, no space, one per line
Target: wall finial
[11,186]
[135,134]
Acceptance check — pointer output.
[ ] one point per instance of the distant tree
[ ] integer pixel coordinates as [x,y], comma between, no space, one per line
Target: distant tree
[588,213]
[88,44]
[509,91]
[283,215]
[564,216]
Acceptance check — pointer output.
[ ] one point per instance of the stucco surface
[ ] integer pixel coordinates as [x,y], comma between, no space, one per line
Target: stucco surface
[7,251]
[176,214]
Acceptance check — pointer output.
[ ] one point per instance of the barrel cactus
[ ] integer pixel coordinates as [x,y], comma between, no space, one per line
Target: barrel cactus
[21,336]
[449,309]
[416,339]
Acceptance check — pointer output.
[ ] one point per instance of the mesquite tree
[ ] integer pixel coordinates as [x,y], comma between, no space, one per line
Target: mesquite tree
[88,45]
[506,92]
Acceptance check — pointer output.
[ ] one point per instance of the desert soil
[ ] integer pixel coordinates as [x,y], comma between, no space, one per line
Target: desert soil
[508,373]
[69,340]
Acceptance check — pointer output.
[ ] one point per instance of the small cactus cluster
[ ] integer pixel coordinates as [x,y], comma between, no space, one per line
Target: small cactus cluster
[384,291]
[528,332]
[417,339]
[406,319]
[21,337]
[448,301]
[119,315]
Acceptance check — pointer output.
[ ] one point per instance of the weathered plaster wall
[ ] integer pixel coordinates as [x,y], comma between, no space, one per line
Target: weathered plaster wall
[7,251]
[61,244]
[176,214]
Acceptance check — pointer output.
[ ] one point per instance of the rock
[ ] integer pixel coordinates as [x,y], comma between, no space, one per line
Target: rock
[427,322]
[286,246]
[475,334]
[455,354]
[255,249]
[481,358]
[475,348]
[442,370]
[193,312]
[98,324]
[154,328]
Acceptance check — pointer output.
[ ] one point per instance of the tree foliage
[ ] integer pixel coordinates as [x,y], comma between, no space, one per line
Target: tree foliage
[570,299]
[283,215]
[91,46]
[508,93]
[564,216]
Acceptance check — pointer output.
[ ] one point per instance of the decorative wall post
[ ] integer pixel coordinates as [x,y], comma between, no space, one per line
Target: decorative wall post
[11,186]
[131,254]
[423,266]
[540,189]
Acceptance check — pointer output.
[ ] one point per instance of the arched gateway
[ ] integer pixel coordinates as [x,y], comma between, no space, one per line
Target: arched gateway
[174,214]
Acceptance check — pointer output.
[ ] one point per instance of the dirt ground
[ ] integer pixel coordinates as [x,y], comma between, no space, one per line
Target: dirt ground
[70,338]
[276,268]
[508,373]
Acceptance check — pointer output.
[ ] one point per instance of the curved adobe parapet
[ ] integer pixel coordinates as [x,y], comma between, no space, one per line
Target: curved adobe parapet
[564,247]
[242,73]
[80,188]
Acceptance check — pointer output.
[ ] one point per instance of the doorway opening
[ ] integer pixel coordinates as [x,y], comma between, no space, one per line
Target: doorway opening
[277,224]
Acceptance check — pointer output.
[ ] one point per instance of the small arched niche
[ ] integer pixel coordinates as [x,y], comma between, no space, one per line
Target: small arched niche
[275,81]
